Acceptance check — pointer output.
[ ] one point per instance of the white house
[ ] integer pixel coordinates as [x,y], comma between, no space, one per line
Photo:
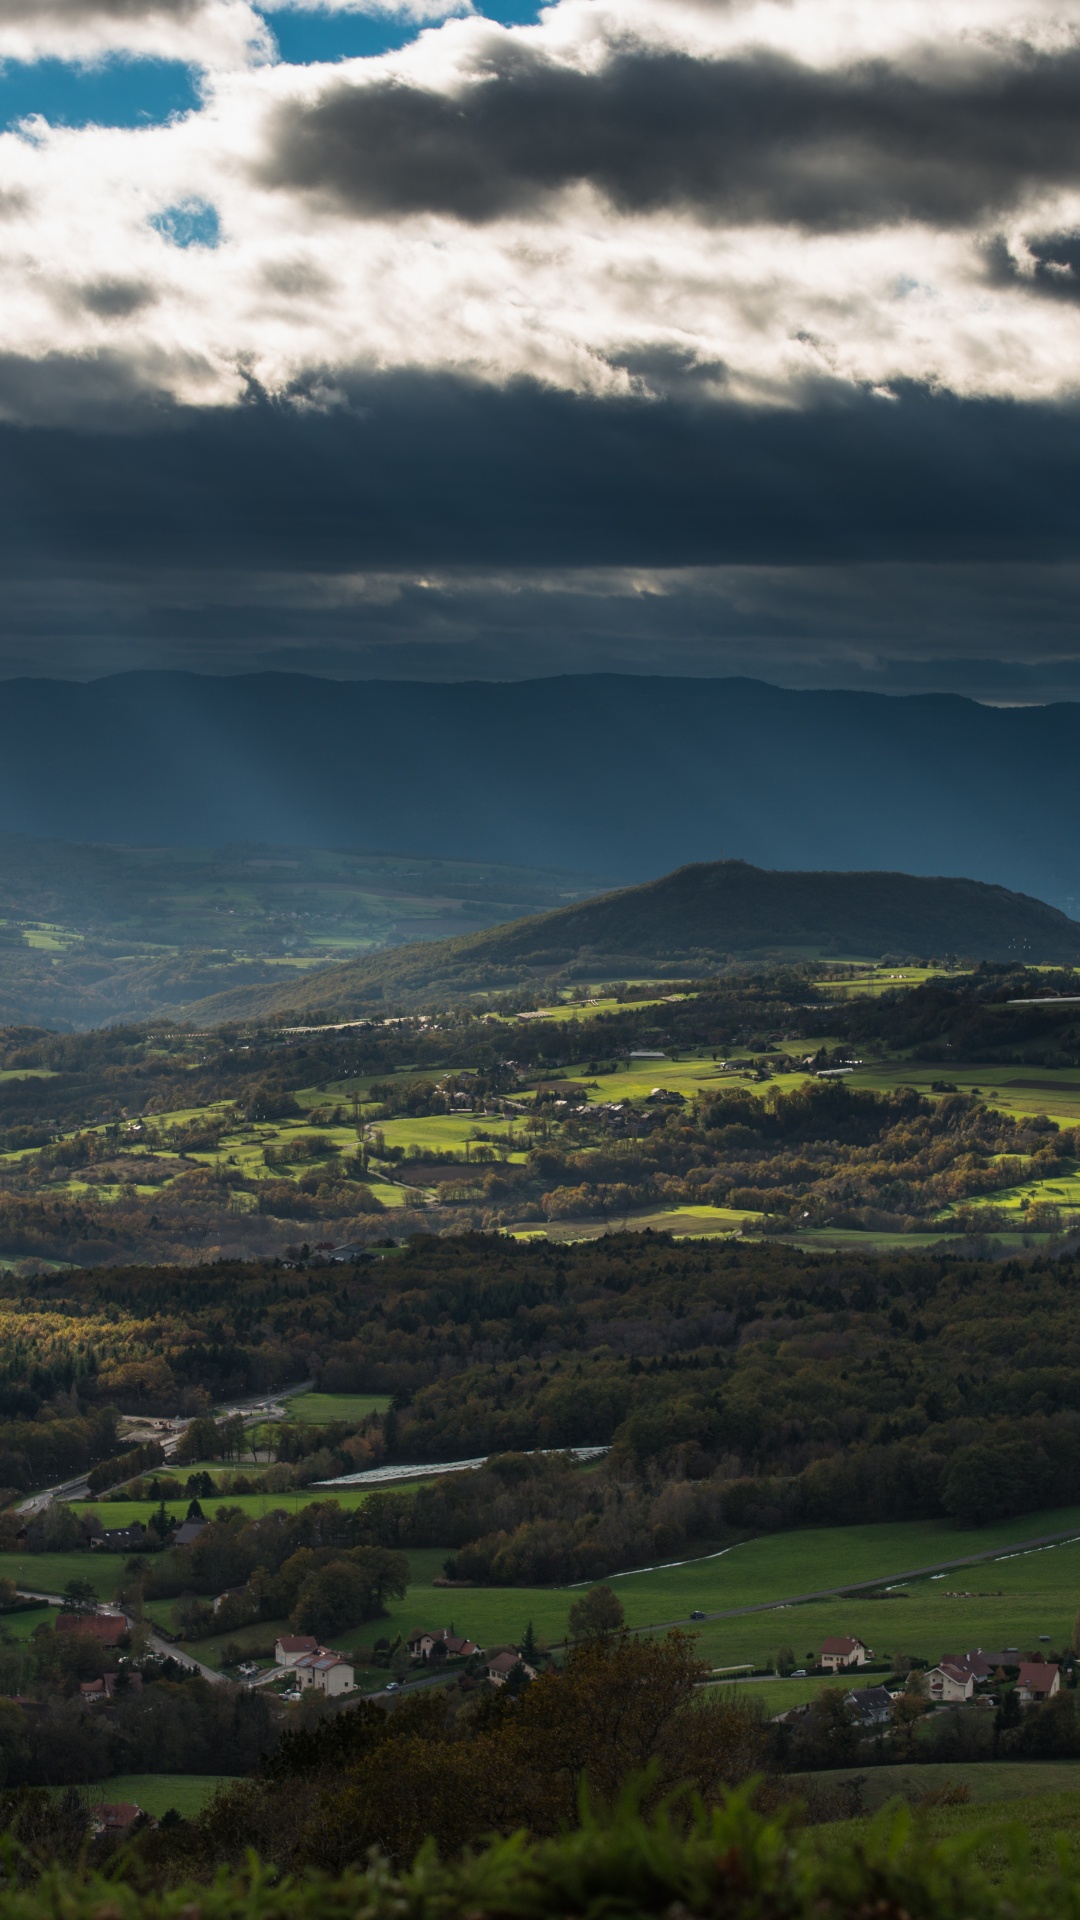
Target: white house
[291,1647]
[502,1665]
[1039,1680]
[327,1672]
[950,1683]
[843,1651]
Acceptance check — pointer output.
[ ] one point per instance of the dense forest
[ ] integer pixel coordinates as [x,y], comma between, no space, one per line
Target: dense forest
[737,1387]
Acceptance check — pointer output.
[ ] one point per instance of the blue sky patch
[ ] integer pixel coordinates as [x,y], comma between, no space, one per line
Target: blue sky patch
[191,223]
[305,36]
[116,92]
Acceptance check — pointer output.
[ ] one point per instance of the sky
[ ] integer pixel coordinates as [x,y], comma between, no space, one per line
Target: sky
[685,336]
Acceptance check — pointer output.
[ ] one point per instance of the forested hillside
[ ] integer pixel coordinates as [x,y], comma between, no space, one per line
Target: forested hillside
[692,921]
[736,1387]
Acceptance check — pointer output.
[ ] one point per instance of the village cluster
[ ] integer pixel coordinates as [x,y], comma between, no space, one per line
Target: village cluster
[957,1679]
[315,1666]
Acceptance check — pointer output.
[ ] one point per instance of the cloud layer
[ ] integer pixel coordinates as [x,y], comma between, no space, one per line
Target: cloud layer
[672,284]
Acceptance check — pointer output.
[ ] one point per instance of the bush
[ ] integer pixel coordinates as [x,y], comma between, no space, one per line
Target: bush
[726,1864]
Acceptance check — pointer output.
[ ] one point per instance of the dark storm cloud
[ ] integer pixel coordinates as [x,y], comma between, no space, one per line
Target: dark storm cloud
[86,12]
[1052,266]
[422,470]
[757,139]
[116,299]
[922,543]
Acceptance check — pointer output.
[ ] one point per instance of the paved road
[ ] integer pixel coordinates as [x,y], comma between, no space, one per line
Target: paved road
[267,1406]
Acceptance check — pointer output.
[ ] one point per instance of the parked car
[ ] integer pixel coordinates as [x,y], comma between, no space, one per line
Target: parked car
[392,1686]
[799,1673]
[697,1614]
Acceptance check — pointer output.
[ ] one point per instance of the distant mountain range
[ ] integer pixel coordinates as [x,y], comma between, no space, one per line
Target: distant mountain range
[611,774]
[694,920]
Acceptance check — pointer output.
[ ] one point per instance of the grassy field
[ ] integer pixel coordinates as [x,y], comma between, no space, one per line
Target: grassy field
[1028,1828]
[19,1626]
[50,1572]
[156,1793]
[319,1409]
[1011,1600]
[121,1513]
[989,1782]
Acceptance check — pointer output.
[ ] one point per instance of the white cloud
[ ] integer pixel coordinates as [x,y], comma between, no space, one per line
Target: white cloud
[213,33]
[567,291]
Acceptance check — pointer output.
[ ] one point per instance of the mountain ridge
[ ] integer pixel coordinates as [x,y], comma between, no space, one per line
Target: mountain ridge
[615,774]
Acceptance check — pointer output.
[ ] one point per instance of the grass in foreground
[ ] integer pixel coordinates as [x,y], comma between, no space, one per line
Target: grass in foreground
[733,1865]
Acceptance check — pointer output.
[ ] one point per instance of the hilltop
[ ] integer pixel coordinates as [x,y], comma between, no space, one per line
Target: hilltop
[697,919]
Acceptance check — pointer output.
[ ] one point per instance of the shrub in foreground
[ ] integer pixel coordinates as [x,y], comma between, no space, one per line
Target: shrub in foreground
[729,1864]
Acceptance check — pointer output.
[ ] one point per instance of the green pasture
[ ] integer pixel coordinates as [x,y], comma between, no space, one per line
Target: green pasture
[122,1513]
[20,1626]
[319,1409]
[989,1782]
[445,1132]
[1039,1593]
[776,1696]
[685,1222]
[50,1572]
[157,1793]
[570,1009]
[1028,1826]
[1014,1089]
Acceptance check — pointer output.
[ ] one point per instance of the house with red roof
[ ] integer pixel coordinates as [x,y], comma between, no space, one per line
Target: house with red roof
[949,1683]
[843,1651]
[291,1647]
[107,1628]
[1039,1680]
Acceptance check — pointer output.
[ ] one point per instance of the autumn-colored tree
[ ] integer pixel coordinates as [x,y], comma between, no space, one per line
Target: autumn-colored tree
[598,1611]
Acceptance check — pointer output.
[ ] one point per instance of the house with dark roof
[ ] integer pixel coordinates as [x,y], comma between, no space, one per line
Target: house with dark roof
[872,1706]
[123,1539]
[502,1665]
[325,1672]
[440,1644]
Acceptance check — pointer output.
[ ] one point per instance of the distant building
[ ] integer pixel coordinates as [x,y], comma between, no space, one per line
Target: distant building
[841,1652]
[502,1665]
[440,1644]
[325,1672]
[291,1647]
[108,1628]
[96,1691]
[117,1818]
[187,1532]
[950,1683]
[1039,1680]
[123,1539]
[872,1705]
